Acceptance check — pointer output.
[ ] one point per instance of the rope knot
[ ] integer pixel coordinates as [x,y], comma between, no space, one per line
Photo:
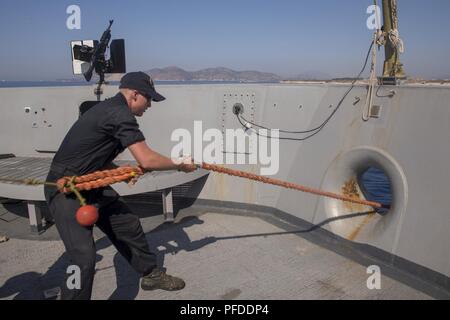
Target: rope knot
[396,41]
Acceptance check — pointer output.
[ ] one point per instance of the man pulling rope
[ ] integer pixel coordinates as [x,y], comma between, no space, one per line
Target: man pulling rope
[91,145]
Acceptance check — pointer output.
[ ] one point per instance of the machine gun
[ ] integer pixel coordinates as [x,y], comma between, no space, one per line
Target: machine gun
[98,61]
[95,57]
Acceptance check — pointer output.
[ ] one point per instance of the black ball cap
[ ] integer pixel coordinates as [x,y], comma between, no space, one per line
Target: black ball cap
[141,82]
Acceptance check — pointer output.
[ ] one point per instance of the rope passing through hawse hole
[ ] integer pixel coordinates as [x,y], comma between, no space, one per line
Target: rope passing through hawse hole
[289,185]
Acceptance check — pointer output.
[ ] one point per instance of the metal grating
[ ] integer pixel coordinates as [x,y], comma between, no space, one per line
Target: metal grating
[31,167]
[25,168]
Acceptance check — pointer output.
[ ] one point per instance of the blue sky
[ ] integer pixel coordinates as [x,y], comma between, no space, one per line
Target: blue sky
[284,37]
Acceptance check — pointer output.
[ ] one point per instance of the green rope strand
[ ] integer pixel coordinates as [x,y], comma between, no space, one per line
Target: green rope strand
[29,182]
[35,182]
[72,187]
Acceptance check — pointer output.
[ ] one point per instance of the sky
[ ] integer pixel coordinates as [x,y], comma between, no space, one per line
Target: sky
[286,37]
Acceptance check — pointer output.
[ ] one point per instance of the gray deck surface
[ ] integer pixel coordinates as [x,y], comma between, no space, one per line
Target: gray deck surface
[256,266]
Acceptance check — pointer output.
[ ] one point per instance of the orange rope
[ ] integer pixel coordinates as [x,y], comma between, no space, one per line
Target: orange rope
[105,178]
[98,179]
[288,185]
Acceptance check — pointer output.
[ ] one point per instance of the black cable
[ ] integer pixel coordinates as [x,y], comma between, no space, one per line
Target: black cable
[321,126]
[279,138]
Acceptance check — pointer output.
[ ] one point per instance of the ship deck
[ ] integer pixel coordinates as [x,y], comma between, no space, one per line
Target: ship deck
[221,253]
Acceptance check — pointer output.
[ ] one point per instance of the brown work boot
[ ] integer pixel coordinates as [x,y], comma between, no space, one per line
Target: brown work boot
[158,279]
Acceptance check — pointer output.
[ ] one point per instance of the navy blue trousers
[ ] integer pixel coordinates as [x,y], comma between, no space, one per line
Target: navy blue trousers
[116,220]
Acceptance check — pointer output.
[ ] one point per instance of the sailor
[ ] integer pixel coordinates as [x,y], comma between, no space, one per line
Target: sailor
[95,139]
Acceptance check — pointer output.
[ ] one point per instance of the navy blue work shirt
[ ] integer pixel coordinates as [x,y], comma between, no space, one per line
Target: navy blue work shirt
[98,136]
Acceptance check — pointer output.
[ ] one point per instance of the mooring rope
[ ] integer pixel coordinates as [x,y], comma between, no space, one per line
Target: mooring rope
[90,181]
[99,179]
[87,215]
[289,185]
[105,178]
[28,182]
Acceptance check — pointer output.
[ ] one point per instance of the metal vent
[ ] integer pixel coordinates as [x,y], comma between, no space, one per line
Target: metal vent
[375,111]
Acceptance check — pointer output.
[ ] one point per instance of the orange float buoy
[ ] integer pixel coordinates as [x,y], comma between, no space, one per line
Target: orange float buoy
[87,215]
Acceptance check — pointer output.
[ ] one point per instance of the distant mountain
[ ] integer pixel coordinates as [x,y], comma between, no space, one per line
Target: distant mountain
[211,74]
[170,73]
[174,73]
